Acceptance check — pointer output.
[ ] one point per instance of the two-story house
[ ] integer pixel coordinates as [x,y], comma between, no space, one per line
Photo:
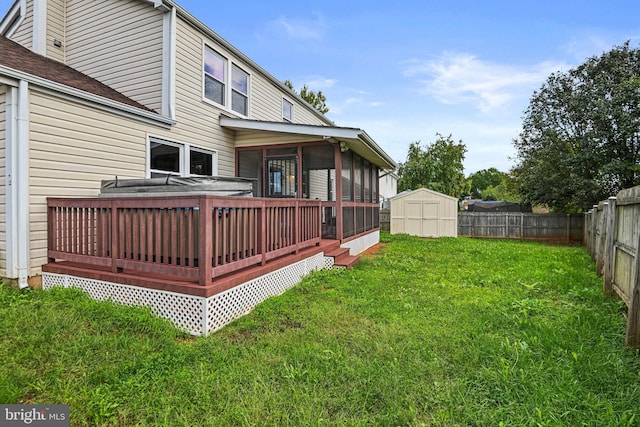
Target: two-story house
[94,90]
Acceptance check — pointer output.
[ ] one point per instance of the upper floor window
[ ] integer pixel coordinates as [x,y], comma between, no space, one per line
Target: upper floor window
[215,67]
[217,88]
[287,110]
[239,90]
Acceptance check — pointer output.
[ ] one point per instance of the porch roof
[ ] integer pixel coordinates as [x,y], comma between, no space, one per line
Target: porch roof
[356,139]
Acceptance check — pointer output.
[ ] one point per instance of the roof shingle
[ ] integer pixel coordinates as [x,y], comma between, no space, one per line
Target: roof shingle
[17,57]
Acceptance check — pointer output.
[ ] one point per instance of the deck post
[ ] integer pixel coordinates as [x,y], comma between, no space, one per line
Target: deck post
[297,224]
[205,242]
[115,236]
[263,232]
[51,231]
[339,209]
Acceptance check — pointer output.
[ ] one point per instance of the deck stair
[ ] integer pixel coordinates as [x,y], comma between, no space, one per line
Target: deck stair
[341,258]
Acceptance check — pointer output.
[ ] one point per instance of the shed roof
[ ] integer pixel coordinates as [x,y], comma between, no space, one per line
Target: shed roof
[423,191]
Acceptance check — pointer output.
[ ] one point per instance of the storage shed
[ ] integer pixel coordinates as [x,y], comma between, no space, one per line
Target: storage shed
[424,213]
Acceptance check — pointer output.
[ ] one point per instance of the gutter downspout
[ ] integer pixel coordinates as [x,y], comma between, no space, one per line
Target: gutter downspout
[169,63]
[21,184]
[11,133]
[17,182]
[39,40]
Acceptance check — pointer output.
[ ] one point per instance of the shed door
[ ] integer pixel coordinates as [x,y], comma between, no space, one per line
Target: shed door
[422,218]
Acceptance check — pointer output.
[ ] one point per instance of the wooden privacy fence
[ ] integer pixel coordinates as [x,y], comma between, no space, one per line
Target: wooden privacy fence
[612,236]
[385,219]
[174,235]
[522,226]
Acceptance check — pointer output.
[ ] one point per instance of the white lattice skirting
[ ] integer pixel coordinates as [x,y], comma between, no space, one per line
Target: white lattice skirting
[196,315]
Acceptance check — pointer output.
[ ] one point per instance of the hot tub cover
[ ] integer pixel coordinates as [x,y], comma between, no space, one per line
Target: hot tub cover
[211,185]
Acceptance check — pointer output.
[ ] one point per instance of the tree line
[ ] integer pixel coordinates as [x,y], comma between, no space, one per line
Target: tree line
[579,144]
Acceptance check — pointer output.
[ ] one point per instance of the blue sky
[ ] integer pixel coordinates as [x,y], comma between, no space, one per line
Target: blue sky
[406,70]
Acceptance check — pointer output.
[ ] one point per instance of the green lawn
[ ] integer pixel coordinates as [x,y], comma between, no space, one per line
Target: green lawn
[448,332]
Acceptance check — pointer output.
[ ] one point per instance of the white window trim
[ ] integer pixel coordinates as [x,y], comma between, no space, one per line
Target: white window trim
[19,9]
[165,141]
[231,89]
[224,82]
[214,159]
[285,119]
[185,150]
[227,83]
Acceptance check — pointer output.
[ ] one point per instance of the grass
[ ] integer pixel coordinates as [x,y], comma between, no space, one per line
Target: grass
[447,332]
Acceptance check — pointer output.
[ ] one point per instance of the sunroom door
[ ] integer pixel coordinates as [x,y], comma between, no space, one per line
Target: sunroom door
[282,176]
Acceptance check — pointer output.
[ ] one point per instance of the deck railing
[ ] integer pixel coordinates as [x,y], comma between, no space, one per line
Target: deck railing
[171,236]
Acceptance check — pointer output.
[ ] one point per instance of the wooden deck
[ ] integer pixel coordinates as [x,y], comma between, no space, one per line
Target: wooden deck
[161,242]
[179,284]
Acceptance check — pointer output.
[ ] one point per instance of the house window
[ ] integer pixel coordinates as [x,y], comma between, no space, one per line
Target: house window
[165,159]
[215,67]
[231,93]
[200,162]
[239,90]
[287,110]
[172,158]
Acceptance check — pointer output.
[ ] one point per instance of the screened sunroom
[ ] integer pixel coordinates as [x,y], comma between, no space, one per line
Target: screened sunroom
[338,166]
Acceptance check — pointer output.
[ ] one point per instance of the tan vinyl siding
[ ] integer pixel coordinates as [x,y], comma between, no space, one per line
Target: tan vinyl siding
[266,101]
[24,34]
[266,104]
[319,186]
[301,114]
[265,97]
[72,148]
[198,121]
[3,200]
[250,139]
[118,42]
[55,29]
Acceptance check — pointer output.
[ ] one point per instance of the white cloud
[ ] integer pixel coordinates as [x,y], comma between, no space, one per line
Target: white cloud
[299,29]
[461,78]
[340,106]
[320,83]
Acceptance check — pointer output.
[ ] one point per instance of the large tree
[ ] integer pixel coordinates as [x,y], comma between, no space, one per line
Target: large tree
[437,166]
[483,179]
[580,138]
[316,99]
[507,189]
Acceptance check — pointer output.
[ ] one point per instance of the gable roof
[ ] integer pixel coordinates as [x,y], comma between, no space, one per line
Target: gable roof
[19,58]
[424,193]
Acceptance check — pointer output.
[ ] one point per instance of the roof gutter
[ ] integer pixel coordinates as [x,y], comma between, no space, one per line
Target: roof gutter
[364,137]
[88,98]
[325,132]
